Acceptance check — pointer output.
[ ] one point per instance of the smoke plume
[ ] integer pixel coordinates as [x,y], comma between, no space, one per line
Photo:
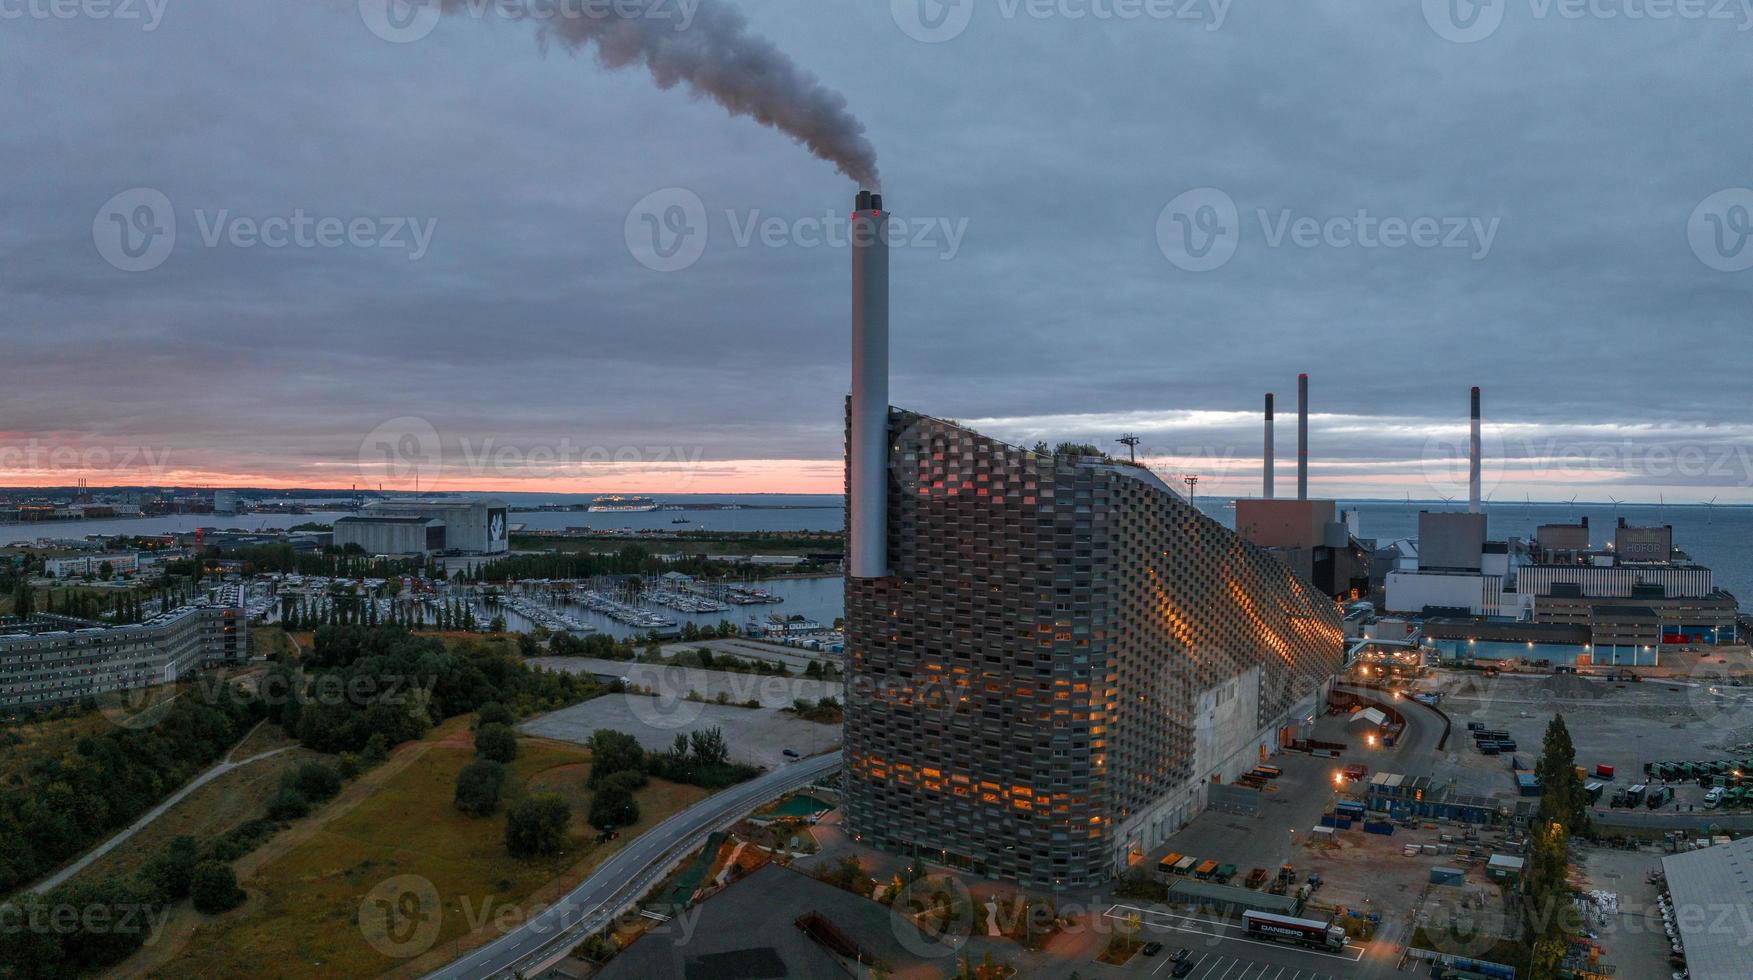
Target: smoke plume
[715,56]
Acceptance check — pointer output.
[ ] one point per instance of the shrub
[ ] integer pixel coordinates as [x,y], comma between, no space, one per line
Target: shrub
[288,804]
[478,787]
[214,888]
[494,713]
[536,825]
[496,742]
[313,781]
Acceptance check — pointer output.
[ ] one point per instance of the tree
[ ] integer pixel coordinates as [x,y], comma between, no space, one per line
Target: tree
[214,888]
[495,742]
[23,599]
[536,825]
[172,872]
[496,624]
[494,713]
[613,804]
[611,752]
[1561,789]
[478,786]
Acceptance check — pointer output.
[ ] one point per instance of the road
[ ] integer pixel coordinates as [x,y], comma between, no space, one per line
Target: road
[629,873]
[153,814]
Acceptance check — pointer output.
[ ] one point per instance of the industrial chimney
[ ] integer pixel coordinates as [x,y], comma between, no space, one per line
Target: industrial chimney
[1473,460]
[867,455]
[1266,490]
[1302,437]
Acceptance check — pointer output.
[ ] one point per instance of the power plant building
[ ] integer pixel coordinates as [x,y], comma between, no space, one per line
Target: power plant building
[1064,655]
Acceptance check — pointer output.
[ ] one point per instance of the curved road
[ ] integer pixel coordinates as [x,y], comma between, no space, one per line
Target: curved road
[630,873]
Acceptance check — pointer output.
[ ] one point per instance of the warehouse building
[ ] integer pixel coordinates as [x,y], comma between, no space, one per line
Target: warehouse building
[1712,890]
[401,526]
[54,660]
[391,535]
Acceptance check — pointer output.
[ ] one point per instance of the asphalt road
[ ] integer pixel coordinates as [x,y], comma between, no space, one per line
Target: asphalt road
[629,873]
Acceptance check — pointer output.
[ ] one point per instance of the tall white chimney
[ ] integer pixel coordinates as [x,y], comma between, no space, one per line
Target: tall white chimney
[1302,437]
[1473,460]
[867,454]
[1266,490]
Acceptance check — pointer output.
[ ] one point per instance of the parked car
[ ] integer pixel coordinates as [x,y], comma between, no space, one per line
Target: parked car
[1181,954]
[1151,949]
[1182,968]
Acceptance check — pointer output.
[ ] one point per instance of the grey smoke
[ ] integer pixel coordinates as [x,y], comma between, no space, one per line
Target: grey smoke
[713,53]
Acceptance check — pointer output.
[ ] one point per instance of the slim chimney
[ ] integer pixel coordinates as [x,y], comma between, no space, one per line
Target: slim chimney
[1302,437]
[1473,460]
[867,454]
[1266,491]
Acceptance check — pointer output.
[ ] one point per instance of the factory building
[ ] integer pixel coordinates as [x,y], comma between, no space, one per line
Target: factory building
[54,660]
[464,525]
[1049,658]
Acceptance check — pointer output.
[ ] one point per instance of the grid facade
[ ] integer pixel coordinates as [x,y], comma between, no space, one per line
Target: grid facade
[1029,676]
[52,667]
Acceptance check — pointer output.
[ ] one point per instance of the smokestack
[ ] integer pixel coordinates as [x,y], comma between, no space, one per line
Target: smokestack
[867,456]
[1473,460]
[1302,437]
[1267,489]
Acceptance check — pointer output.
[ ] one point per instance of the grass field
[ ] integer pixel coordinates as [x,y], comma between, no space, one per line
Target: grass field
[209,812]
[21,741]
[302,917]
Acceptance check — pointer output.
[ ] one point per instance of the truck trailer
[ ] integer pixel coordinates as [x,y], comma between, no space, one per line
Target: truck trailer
[1285,929]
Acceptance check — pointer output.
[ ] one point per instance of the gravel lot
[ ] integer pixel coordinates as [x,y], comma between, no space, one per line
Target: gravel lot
[756,735]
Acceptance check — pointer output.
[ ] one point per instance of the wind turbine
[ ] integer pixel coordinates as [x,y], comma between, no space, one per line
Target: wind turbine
[1573,504]
[1710,511]
[1616,503]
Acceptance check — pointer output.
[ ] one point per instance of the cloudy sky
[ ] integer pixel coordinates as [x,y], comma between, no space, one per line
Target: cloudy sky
[456,250]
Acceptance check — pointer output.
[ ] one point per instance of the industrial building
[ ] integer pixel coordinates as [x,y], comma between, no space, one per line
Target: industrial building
[1049,658]
[414,526]
[391,535]
[1711,891]
[1313,537]
[53,660]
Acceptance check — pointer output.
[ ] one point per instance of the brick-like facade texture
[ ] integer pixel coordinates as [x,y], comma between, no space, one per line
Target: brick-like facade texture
[1027,676]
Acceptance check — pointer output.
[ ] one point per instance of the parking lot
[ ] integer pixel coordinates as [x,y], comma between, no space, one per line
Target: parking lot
[1218,966]
[1222,950]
